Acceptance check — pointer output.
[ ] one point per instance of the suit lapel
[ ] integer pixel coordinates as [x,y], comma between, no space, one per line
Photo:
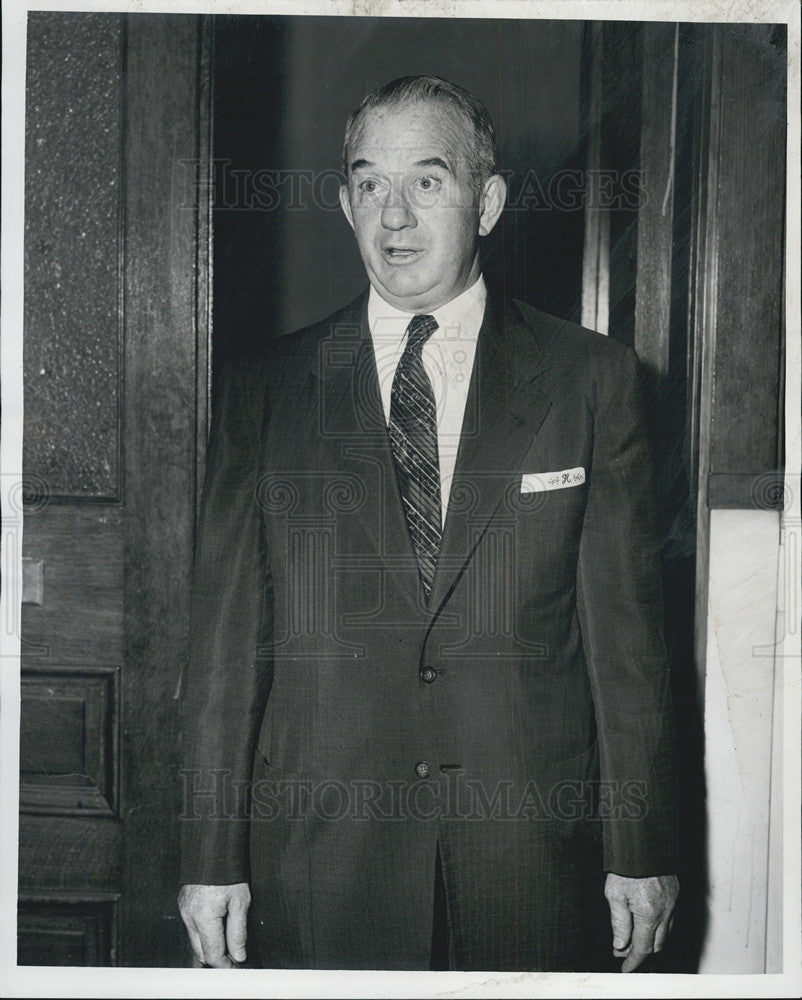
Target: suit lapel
[503,413]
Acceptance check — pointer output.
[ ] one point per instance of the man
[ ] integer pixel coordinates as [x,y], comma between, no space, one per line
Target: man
[427,607]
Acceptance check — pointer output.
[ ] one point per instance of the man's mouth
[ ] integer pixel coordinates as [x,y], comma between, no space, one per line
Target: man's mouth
[400,255]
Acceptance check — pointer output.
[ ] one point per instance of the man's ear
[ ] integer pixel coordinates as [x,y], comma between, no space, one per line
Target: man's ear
[345,204]
[491,204]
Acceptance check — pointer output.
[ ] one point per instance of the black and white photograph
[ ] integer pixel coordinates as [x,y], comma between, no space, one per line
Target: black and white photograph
[401,499]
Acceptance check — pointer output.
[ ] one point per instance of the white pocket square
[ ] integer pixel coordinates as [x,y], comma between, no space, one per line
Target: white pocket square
[539,482]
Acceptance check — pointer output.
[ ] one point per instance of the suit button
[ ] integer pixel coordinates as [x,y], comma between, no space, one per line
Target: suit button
[422,769]
[428,674]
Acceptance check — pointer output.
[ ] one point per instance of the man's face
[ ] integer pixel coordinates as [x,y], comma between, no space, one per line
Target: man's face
[413,204]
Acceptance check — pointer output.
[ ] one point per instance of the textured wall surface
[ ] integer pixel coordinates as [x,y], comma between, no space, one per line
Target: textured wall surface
[72,342]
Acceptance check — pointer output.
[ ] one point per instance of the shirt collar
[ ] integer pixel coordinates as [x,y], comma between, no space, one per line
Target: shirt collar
[462,315]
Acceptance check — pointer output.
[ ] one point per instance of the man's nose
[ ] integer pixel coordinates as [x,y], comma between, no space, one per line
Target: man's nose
[397,212]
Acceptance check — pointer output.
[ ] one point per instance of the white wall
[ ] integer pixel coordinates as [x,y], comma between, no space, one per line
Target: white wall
[743,700]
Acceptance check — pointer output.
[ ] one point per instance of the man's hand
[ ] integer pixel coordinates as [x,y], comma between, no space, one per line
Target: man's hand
[640,913]
[215,916]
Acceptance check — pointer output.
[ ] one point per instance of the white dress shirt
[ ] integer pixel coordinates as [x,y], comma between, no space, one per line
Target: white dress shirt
[447,358]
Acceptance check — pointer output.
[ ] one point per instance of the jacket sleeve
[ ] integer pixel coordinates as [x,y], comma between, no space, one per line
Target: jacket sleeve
[229,673]
[621,617]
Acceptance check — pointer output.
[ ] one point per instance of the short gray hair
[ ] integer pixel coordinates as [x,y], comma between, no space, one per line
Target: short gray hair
[408,89]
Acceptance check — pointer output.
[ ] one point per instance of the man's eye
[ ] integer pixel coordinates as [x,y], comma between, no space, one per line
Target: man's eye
[428,183]
[369,186]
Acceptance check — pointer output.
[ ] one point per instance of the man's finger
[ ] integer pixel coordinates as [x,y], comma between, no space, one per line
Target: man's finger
[195,943]
[634,959]
[621,922]
[643,934]
[662,932]
[213,943]
[236,929]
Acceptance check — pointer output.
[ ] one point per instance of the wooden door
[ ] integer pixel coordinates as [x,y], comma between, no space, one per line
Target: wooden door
[115,379]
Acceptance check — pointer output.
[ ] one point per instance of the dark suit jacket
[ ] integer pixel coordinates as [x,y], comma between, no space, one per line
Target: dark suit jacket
[542,639]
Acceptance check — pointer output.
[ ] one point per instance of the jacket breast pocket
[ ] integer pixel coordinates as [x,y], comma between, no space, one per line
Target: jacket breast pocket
[547,528]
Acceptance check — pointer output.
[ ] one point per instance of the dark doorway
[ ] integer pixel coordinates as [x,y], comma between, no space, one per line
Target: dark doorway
[284,255]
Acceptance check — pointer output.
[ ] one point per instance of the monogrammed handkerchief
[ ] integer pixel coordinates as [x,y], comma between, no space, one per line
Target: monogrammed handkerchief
[539,482]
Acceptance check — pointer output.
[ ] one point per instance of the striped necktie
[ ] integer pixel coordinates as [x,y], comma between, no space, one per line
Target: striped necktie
[413,437]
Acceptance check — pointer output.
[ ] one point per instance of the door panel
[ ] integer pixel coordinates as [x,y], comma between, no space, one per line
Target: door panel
[60,930]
